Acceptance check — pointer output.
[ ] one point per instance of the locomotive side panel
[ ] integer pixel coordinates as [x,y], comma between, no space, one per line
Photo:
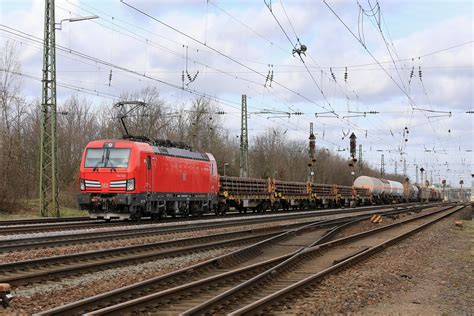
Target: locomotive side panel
[180,175]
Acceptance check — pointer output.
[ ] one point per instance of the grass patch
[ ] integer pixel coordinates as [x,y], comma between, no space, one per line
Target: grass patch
[31,211]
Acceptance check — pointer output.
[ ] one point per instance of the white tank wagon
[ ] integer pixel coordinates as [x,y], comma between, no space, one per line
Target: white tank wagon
[381,189]
[396,188]
[374,185]
[415,192]
[387,188]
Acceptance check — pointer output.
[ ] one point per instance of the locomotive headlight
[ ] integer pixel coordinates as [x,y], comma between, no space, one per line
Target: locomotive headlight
[130,184]
[82,184]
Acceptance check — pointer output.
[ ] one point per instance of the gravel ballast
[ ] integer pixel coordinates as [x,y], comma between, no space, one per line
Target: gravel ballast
[73,249]
[55,293]
[430,273]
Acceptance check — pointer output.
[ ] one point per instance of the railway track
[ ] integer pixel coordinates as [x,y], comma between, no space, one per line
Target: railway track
[40,227]
[50,268]
[245,263]
[304,267]
[237,290]
[88,237]
[60,226]
[64,240]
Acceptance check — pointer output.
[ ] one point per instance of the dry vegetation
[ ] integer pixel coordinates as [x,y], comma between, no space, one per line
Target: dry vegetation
[80,121]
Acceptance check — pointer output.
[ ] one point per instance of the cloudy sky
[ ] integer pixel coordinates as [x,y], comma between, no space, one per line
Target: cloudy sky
[233,46]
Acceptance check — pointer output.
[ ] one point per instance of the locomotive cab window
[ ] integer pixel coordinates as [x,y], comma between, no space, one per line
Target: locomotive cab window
[107,158]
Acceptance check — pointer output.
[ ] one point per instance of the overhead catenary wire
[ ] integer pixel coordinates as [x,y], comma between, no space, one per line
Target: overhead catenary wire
[297,93]
[96,60]
[230,58]
[304,63]
[220,53]
[147,41]
[229,72]
[109,64]
[66,85]
[412,103]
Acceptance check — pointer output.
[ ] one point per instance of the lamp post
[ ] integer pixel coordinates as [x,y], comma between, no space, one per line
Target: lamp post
[59,25]
[225,165]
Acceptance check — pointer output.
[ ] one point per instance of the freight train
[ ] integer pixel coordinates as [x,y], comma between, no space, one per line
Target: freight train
[137,177]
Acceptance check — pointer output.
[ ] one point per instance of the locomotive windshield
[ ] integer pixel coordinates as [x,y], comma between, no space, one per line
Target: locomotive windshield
[107,158]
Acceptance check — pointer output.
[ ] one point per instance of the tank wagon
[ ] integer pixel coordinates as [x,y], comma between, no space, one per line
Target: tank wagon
[135,177]
[382,190]
[410,191]
[388,191]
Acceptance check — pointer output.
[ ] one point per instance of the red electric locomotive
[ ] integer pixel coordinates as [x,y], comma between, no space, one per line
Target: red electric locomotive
[136,177]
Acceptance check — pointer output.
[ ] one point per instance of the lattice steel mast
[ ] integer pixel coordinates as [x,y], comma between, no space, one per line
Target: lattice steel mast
[48,173]
[312,153]
[244,140]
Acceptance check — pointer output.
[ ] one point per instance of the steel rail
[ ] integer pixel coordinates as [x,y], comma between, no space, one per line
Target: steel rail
[253,308]
[33,228]
[185,275]
[31,271]
[133,305]
[47,227]
[338,264]
[88,237]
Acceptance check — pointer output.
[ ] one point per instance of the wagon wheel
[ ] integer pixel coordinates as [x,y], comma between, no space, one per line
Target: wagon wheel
[198,210]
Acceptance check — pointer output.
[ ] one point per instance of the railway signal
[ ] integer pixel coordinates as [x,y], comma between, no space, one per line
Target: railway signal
[353,160]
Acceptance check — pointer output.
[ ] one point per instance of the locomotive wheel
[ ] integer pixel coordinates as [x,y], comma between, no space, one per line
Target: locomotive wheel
[156,216]
[222,209]
[136,216]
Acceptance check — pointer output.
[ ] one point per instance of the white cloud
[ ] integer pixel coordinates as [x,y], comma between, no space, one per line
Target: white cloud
[449,88]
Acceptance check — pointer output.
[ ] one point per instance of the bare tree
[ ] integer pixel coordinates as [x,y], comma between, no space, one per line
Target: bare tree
[198,124]
[12,115]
